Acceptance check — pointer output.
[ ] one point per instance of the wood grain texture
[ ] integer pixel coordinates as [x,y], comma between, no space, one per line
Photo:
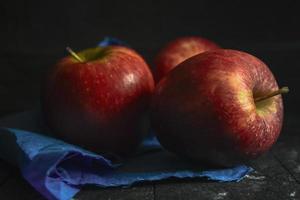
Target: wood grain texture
[144,192]
[16,188]
[270,181]
[288,154]
[5,172]
[287,150]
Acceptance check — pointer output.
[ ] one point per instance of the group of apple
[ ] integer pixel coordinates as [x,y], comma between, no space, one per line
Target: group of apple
[203,102]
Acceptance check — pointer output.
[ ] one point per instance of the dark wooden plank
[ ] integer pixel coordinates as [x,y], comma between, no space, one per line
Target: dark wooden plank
[13,186]
[16,188]
[287,149]
[288,154]
[5,172]
[269,181]
[144,192]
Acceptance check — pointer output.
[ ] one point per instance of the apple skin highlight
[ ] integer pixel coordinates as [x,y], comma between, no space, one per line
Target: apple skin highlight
[100,103]
[179,50]
[204,109]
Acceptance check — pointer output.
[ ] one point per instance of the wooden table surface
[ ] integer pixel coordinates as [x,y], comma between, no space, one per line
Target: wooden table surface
[276,176]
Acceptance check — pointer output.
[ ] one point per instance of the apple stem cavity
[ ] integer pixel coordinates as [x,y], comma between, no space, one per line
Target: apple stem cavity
[74,55]
[282,90]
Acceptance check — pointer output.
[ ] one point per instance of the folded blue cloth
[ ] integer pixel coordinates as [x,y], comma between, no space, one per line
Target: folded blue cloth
[58,170]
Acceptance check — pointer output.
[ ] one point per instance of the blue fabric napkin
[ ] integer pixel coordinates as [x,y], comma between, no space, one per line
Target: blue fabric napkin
[58,170]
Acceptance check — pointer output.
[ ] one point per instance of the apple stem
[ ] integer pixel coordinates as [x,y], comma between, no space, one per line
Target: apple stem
[282,90]
[74,55]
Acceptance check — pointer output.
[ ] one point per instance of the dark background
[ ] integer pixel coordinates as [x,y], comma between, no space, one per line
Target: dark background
[34,35]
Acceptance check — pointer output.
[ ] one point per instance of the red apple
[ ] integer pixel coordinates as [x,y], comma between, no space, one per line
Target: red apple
[98,99]
[179,50]
[220,106]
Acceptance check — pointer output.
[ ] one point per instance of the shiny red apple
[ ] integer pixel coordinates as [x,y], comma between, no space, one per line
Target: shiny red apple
[221,106]
[99,98]
[179,50]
